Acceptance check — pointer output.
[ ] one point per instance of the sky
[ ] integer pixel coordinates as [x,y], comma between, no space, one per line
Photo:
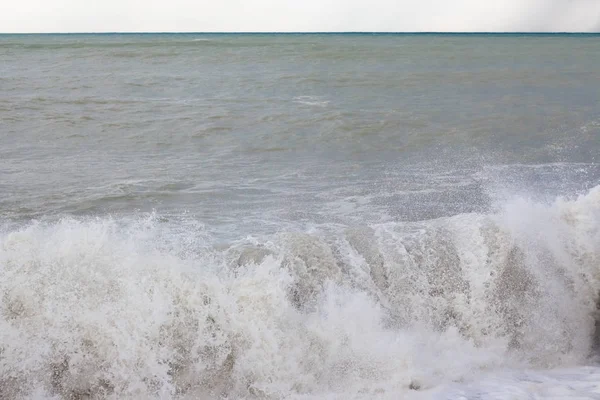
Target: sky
[299,15]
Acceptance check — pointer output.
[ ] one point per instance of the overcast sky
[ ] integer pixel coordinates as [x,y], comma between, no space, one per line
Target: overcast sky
[298,15]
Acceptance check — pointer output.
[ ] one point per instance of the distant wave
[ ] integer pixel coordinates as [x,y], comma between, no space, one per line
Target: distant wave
[312,101]
[124,308]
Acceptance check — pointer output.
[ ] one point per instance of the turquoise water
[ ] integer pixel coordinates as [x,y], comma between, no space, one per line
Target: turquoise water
[299,215]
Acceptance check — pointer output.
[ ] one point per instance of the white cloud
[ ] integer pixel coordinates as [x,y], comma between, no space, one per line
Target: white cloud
[298,15]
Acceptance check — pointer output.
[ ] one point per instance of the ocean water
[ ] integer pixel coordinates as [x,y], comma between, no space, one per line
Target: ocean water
[205,216]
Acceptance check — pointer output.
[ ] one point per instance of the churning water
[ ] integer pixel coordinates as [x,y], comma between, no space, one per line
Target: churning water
[299,216]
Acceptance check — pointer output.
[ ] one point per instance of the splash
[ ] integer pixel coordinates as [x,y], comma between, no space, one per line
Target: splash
[116,308]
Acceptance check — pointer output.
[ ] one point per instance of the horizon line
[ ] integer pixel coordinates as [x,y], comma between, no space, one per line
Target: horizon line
[305,33]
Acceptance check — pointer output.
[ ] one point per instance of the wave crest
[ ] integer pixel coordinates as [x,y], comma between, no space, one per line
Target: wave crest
[108,308]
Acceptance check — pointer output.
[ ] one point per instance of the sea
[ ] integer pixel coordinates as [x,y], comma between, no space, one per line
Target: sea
[299,216]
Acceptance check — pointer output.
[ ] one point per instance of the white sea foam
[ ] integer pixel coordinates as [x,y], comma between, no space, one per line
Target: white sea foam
[111,308]
[316,101]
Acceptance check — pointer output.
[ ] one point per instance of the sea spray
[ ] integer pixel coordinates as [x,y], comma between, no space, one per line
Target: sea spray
[147,308]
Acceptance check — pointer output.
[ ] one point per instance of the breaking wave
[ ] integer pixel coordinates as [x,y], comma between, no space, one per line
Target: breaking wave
[147,308]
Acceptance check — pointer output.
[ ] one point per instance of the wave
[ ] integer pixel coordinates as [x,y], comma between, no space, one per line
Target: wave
[148,308]
[311,101]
